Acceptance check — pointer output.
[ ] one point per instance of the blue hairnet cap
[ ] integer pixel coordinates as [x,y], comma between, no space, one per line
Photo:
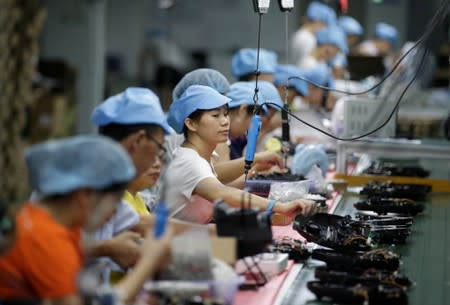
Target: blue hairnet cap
[339,61]
[333,35]
[194,98]
[320,74]
[282,75]
[244,62]
[242,93]
[306,157]
[206,77]
[59,167]
[386,32]
[133,106]
[350,26]
[321,12]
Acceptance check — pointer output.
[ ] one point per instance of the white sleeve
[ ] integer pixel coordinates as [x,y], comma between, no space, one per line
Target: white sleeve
[185,172]
[303,42]
[308,62]
[125,218]
[193,172]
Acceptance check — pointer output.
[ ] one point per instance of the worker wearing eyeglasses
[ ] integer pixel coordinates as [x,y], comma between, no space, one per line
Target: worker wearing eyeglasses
[135,119]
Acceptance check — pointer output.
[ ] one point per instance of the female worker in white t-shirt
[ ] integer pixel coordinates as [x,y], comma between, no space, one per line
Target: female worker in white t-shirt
[201,113]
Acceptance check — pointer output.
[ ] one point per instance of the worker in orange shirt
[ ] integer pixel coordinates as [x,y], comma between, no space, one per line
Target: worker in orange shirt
[80,181]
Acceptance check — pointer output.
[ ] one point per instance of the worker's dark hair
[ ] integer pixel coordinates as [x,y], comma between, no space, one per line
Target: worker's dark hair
[250,109]
[247,77]
[119,132]
[196,115]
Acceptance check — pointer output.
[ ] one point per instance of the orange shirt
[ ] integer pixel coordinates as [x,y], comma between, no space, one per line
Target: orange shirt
[45,260]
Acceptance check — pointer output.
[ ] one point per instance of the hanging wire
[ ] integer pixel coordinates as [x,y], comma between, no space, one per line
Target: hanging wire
[439,15]
[255,96]
[368,133]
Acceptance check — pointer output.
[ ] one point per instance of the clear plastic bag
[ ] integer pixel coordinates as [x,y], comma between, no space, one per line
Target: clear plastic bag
[191,257]
[287,191]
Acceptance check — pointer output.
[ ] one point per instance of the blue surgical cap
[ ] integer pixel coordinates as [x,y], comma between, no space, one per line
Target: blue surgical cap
[242,93]
[206,77]
[350,26]
[133,106]
[321,12]
[386,32]
[194,98]
[320,74]
[59,167]
[339,61]
[269,94]
[333,35]
[244,62]
[282,74]
[306,157]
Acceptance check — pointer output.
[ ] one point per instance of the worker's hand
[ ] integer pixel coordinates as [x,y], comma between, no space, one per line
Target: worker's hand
[266,159]
[158,250]
[303,206]
[124,249]
[273,170]
[145,223]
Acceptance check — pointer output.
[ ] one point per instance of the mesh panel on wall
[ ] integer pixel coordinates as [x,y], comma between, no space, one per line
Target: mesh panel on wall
[21,23]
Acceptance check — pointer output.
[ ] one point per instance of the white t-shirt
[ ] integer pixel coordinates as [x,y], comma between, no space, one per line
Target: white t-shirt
[308,62]
[368,48]
[184,173]
[302,44]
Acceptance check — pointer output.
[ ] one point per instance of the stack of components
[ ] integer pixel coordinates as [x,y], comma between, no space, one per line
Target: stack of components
[293,247]
[360,277]
[21,23]
[356,271]
[390,169]
[387,197]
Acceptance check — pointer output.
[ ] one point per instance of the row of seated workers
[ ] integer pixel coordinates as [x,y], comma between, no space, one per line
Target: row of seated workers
[95,196]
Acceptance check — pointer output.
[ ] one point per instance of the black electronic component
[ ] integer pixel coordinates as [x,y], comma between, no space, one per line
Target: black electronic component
[394,190]
[251,228]
[381,259]
[373,294]
[390,169]
[285,133]
[353,276]
[293,247]
[385,220]
[333,231]
[382,205]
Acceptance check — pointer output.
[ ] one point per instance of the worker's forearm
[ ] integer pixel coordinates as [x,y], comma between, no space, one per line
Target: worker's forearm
[129,286]
[178,226]
[229,170]
[238,183]
[97,248]
[234,197]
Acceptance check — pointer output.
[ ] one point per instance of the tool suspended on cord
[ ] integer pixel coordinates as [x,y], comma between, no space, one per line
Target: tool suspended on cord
[261,7]
[162,210]
[285,6]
